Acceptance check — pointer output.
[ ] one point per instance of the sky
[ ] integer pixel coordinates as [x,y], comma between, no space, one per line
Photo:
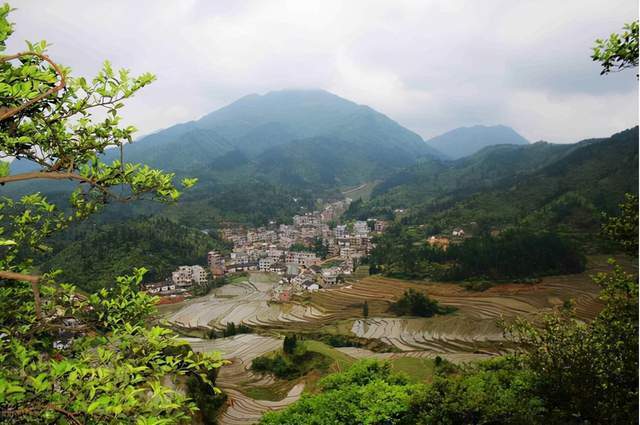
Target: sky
[430,65]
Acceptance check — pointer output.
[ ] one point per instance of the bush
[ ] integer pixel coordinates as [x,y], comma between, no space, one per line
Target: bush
[208,401]
[291,365]
[414,303]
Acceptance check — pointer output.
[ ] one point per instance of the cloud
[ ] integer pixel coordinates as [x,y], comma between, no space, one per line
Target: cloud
[430,65]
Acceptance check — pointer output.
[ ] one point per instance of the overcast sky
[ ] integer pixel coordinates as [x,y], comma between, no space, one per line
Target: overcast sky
[430,65]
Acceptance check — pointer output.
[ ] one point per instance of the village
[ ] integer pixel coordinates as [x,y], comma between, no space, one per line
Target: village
[311,254]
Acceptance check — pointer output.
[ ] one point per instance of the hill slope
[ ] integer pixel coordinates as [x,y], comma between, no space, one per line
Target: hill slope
[465,141]
[543,185]
[283,134]
[91,256]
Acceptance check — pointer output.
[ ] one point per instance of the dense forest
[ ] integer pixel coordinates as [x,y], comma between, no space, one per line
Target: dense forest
[561,188]
[91,255]
[403,252]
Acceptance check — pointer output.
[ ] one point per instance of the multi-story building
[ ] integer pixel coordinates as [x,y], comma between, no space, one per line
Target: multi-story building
[215,261]
[265,264]
[188,275]
[361,228]
[379,226]
[307,259]
[330,275]
[309,219]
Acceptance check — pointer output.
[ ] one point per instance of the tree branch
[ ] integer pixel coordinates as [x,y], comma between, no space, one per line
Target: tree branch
[7,113]
[53,175]
[35,287]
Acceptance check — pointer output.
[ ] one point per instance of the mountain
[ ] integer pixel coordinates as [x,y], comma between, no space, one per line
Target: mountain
[543,185]
[465,141]
[291,144]
[284,131]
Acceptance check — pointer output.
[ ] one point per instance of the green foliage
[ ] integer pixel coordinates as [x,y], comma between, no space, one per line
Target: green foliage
[90,255]
[320,248]
[252,202]
[587,372]
[414,303]
[556,187]
[367,393]
[496,391]
[295,362]
[68,359]
[123,304]
[289,344]
[619,51]
[209,402]
[106,366]
[298,247]
[623,229]
[402,252]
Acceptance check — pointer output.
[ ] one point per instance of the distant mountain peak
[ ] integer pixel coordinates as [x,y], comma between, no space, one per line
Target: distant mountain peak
[465,141]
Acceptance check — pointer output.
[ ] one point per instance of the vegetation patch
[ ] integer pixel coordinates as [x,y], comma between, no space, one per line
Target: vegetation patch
[403,253]
[414,303]
[293,361]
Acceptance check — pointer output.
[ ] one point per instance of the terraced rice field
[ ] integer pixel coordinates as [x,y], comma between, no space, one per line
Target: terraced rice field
[470,333]
[241,302]
[237,376]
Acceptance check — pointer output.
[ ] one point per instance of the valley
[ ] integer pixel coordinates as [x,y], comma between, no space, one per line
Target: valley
[265,251]
[469,334]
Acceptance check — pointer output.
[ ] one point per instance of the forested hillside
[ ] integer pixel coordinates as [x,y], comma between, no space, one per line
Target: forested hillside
[91,255]
[541,185]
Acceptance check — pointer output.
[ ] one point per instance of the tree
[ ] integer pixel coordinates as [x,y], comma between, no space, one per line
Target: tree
[365,310]
[320,248]
[414,303]
[289,344]
[66,357]
[619,51]
[230,330]
[623,229]
[587,372]
[368,393]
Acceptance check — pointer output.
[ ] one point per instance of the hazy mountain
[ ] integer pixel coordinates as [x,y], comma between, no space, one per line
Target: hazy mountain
[302,138]
[541,183]
[431,178]
[465,141]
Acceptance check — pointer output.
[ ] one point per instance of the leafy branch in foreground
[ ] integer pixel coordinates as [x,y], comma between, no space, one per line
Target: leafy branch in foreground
[67,358]
[619,51]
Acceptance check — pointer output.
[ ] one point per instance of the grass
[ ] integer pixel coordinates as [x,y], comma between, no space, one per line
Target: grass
[361,192]
[417,369]
[331,263]
[361,272]
[342,360]
[239,278]
[275,392]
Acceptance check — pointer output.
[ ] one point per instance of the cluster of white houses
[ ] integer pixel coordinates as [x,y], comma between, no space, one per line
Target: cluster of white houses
[286,249]
[181,281]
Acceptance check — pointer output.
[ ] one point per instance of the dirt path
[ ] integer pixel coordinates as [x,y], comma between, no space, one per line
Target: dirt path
[457,358]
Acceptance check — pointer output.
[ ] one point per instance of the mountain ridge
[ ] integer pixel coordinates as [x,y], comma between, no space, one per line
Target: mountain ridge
[465,141]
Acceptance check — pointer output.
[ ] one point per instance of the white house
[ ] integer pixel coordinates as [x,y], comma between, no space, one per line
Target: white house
[187,275]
